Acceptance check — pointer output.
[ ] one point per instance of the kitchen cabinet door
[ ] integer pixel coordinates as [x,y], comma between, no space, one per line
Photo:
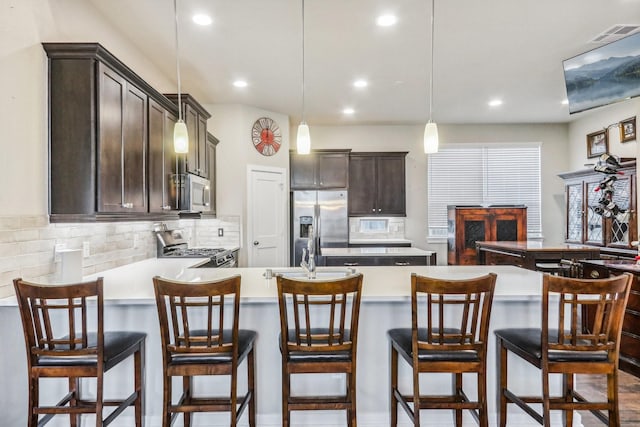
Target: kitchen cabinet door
[162,158]
[212,143]
[377,184]
[195,118]
[333,170]
[122,144]
[319,170]
[362,188]
[192,158]
[391,199]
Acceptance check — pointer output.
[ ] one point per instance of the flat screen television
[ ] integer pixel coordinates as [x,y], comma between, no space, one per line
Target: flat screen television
[604,75]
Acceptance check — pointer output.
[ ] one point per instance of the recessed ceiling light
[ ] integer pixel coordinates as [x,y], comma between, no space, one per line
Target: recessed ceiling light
[386,20]
[360,83]
[495,102]
[348,111]
[202,19]
[240,83]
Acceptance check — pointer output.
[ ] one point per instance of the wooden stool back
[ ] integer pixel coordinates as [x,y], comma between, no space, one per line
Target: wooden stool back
[319,334]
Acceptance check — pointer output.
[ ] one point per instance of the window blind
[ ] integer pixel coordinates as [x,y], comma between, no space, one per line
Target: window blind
[487,174]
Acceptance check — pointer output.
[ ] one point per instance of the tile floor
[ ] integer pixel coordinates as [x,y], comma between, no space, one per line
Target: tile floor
[629,396]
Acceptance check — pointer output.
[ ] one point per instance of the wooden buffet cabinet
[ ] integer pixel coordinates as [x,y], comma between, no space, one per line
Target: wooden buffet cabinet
[630,341]
[468,224]
[585,226]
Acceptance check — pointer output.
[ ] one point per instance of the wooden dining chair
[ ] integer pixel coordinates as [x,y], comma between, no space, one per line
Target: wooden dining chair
[319,335]
[60,345]
[586,345]
[449,330]
[200,337]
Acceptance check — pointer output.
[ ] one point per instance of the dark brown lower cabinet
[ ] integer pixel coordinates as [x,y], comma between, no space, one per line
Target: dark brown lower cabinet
[369,261]
[630,340]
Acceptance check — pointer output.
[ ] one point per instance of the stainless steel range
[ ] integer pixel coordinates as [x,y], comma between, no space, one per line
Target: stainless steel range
[172,244]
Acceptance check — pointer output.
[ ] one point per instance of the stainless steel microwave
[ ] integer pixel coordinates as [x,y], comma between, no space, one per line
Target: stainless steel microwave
[193,192]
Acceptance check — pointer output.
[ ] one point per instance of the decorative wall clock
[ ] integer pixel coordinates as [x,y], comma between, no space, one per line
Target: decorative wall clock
[266,136]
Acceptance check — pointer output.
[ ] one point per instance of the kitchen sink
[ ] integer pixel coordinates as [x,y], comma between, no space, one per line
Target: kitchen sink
[299,273]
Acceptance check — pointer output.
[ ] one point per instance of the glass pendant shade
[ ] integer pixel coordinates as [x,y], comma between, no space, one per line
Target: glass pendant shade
[304,139]
[180,138]
[431,138]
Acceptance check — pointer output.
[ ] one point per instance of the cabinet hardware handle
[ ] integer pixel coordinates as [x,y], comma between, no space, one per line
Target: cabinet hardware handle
[373,210]
[256,243]
[127,205]
[379,210]
[402,263]
[351,264]
[594,274]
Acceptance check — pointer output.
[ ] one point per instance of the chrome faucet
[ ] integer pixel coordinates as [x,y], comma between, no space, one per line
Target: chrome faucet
[309,266]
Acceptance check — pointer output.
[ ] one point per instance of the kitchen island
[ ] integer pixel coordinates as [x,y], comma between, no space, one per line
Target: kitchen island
[528,253]
[130,305]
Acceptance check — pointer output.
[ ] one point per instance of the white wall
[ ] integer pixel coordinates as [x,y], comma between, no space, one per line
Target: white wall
[595,120]
[232,124]
[24,25]
[555,155]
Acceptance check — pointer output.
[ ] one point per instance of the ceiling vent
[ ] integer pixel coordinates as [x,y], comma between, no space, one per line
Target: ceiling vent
[615,33]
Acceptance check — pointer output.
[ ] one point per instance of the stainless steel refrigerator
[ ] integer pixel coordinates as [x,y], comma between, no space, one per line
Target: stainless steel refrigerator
[327,212]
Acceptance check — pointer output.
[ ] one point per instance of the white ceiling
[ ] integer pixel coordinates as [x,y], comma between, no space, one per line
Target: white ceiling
[511,49]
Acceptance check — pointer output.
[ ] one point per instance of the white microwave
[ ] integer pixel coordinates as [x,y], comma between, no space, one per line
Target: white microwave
[193,192]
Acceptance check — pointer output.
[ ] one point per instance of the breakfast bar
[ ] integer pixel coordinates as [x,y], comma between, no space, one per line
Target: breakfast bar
[130,305]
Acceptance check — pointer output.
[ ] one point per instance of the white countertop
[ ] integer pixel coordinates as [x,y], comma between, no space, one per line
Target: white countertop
[374,251]
[132,284]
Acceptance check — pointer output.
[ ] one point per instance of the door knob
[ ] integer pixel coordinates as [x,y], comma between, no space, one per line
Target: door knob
[256,243]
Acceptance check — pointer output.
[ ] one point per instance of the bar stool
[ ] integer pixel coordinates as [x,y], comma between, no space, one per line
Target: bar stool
[59,345]
[590,315]
[449,329]
[318,335]
[196,342]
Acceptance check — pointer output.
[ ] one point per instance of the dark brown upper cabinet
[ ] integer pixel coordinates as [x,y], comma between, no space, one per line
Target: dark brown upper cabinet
[377,184]
[108,152]
[319,170]
[195,117]
[162,158]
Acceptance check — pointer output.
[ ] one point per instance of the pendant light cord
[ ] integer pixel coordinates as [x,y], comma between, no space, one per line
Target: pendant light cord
[303,103]
[175,12]
[431,75]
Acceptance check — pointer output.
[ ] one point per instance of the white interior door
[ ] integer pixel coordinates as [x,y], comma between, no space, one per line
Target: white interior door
[267,216]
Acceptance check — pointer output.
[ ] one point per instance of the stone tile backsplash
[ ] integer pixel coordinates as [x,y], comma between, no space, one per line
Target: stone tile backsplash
[394,229]
[27,244]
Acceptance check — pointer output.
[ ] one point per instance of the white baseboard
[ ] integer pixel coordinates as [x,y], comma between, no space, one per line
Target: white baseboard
[335,419]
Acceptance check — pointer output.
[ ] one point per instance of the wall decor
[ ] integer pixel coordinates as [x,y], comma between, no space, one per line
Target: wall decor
[628,129]
[597,143]
[266,136]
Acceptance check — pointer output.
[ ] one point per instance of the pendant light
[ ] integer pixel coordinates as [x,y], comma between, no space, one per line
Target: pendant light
[303,142]
[180,134]
[431,129]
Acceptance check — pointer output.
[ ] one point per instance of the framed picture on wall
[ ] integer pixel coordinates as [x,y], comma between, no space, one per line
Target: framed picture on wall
[597,143]
[628,129]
